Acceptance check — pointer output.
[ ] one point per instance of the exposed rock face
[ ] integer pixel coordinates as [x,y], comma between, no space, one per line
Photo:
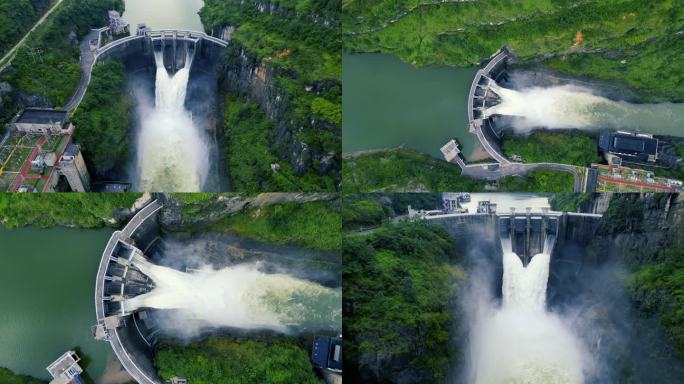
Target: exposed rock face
[636,226]
[244,74]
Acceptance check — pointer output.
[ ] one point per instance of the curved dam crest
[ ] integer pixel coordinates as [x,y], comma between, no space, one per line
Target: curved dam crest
[139,301]
[173,150]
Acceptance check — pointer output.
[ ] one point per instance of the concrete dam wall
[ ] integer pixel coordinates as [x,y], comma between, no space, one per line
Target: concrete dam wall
[131,335]
[137,52]
[528,229]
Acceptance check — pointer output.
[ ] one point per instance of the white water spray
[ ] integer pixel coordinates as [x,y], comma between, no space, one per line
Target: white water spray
[520,342]
[172,155]
[575,107]
[241,296]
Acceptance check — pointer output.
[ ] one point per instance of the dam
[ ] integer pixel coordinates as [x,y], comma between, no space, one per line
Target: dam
[151,288]
[171,74]
[526,229]
[129,334]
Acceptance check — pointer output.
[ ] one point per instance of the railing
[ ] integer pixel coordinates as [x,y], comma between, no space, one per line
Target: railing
[182,34]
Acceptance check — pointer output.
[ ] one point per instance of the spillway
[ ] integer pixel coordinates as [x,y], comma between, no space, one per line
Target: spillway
[520,341]
[571,106]
[240,296]
[172,155]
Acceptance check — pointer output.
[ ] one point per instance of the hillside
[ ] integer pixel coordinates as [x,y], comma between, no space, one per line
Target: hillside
[635,42]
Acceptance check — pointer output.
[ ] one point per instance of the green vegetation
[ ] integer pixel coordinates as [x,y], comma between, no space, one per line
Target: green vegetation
[569,202]
[313,224]
[275,360]
[628,41]
[103,118]
[308,225]
[47,64]
[625,214]
[9,377]
[296,48]
[399,289]
[83,210]
[541,180]
[368,210]
[574,147]
[16,18]
[360,211]
[248,155]
[658,289]
[403,171]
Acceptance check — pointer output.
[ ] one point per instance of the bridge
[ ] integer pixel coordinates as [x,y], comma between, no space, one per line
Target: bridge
[149,40]
[117,279]
[480,98]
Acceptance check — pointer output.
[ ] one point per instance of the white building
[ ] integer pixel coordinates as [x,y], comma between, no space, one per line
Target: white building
[66,370]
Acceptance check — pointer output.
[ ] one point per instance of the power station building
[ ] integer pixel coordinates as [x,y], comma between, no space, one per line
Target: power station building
[632,147]
[42,121]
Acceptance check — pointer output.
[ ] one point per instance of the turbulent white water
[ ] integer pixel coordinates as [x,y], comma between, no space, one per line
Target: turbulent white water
[241,296]
[172,155]
[575,107]
[520,342]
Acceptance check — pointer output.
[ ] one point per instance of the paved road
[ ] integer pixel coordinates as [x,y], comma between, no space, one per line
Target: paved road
[88,56]
[10,55]
[494,172]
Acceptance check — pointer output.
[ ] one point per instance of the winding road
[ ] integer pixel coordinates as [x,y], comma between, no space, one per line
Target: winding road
[88,58]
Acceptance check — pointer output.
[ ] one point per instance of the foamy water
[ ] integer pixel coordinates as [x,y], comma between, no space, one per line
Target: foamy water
[241,296]
[521,342]
[172,155]
[575,107]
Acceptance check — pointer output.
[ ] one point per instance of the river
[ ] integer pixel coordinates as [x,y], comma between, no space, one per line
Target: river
[387,103]
[160,14]
[47,288]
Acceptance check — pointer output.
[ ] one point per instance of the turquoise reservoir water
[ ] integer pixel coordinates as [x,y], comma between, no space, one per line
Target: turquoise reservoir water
[387,103]
[47,288]
[163,14]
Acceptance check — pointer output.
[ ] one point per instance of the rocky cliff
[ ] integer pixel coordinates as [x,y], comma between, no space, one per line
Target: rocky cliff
[635,227]
[244,73]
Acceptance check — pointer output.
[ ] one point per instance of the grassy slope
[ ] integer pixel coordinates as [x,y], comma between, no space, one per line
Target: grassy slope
[408,171]
[313,224]
[84,210]
[398,286]
[575,148]
[538,181]
[642,33]
[103,118]
[309,225]
[278,360]
[403,170]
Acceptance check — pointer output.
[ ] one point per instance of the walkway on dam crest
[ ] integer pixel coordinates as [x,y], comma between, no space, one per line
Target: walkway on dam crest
[113,336]
[502,166]
[91,53]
